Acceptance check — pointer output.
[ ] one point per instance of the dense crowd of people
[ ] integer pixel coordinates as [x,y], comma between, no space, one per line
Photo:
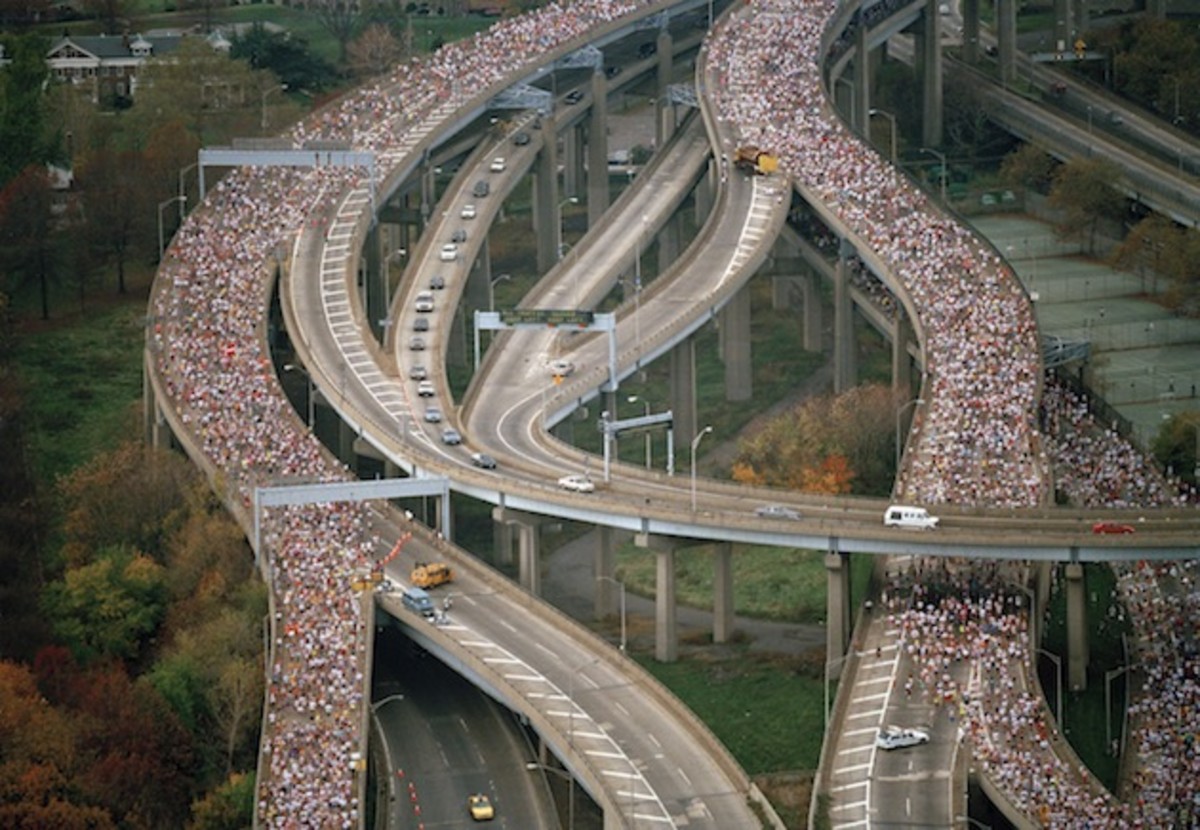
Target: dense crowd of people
[978,440]
[207,340]
[210,354]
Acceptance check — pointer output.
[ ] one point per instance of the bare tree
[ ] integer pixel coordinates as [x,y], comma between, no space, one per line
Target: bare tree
[375,51]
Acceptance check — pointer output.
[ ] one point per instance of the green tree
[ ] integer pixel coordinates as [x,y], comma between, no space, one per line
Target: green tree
[1030,167]
[1083,191]
[29,235]
[107,609]
[1161,66]
[285,55]
[1177,446]
[22,125]
[229,806]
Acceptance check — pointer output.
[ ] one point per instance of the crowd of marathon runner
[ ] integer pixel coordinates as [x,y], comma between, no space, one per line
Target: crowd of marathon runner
[966,632]
[207,319]
[206,337]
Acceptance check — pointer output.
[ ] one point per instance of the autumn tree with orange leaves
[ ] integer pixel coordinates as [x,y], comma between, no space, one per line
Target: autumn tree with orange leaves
[829,444]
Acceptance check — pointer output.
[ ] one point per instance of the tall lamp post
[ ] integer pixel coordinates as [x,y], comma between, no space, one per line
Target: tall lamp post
[492,289]
[266,92]
[621,585]
[696,443]
[941,156]
[566,776]
[899,417]
[558,248]
[646,413]
[161,205]
[892,119]
[183,193]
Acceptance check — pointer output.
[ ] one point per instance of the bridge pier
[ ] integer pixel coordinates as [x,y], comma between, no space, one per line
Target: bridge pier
[683,388]
[664,123]
[735,346]
[722,592]
[572,162]
[837,618]
[928,56]
[1077,633]
[345,446]
[666,632]
[970,31]
[1006,39]
[844,346]
[373,274]
[597,150]
[605,592]
[902,335]
[545,196]
[527,528]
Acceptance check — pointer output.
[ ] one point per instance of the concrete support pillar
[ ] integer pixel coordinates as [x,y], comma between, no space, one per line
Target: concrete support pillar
[666,634]
[722,592]
[862,83]
[597,150]
[844,345]
[604,569]
[706,193]
[1157,9]
[572,161]
[668,242]
[665,121]
[529,557]
[1006,37]
[683,389]
[502,539]
[1077,631]
[545,196]
[346,451]
[810,291]
[837,626]
[902,335]
[930,57]
[375,281]
[479,280]
[428,191]
[391,469]
[735,346]
[970,31]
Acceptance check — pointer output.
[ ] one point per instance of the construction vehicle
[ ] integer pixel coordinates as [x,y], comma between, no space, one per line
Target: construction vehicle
[753,160]
[431,574]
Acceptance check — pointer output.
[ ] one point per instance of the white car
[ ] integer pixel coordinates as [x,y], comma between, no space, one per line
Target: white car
[896,737]
[498,164]
[561,368]
[425,389]
[577,484]
[467,212]
[424,302]
[433,414]
[448,253]
[776,511]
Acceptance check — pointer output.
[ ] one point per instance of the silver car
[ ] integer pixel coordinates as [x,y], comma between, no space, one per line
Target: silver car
[776,511]
[896,737]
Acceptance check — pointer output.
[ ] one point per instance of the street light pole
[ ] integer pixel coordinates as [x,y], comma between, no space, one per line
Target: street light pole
[646,413]
[266,92]
[182,192]
[892,119]
[621,585]
[161,205]
[492,289]
[566,776]
[899,416]
[942,156]
[696,443]
[558,248]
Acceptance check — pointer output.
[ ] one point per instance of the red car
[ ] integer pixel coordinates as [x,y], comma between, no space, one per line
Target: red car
[1111,527]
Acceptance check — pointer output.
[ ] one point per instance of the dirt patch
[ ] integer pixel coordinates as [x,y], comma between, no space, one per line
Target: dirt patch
[789,793]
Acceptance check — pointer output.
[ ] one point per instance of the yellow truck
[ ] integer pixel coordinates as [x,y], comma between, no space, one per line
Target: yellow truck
[753,160]
[431,574]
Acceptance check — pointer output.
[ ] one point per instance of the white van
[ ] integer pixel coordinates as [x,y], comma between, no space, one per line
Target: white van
[899,515]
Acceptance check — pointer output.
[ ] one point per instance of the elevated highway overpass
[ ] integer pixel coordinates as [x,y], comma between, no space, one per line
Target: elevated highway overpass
[683,521]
